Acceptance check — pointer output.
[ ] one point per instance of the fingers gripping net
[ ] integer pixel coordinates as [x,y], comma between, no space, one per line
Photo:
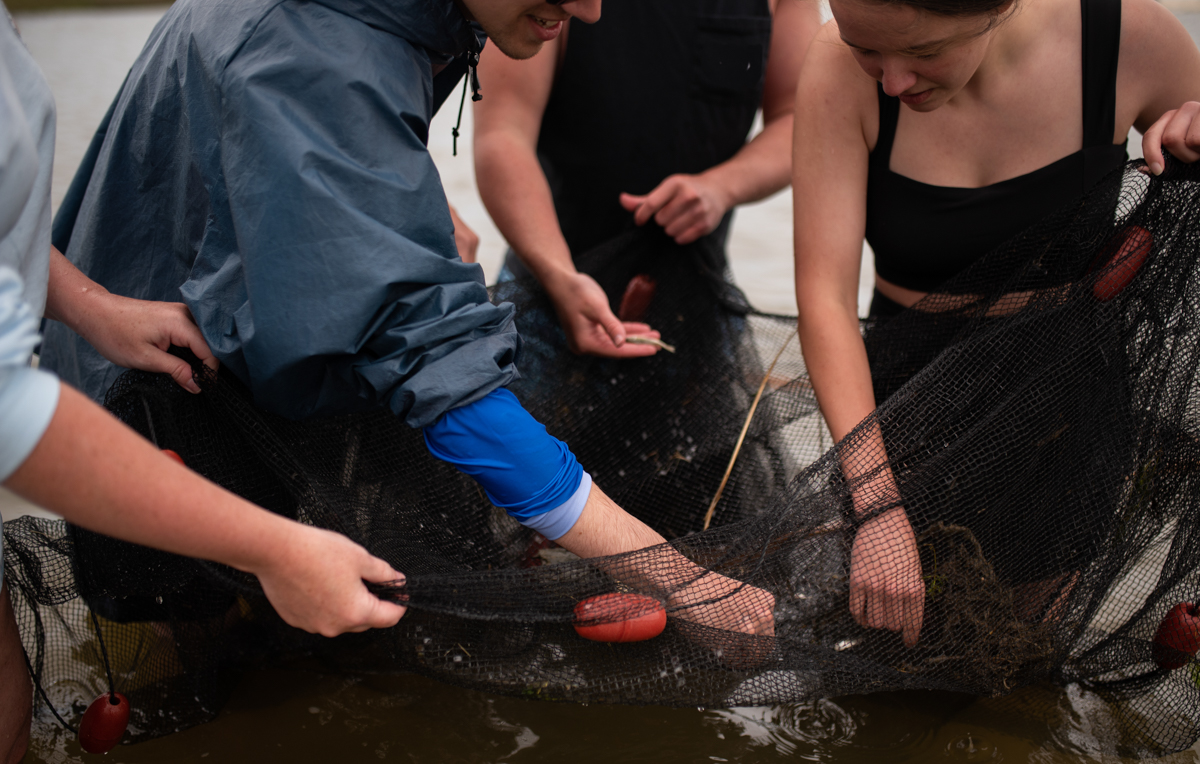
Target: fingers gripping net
[1022,504]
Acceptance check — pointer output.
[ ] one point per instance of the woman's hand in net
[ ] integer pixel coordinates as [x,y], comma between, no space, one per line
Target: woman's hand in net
[135,334]
[886,588]
[589,323]
[314,579]
[1178,131]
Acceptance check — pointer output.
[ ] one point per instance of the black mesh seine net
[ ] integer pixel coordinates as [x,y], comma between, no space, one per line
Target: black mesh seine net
[1040,424]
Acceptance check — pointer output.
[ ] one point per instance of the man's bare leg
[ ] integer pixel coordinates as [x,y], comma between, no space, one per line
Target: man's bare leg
[16,690]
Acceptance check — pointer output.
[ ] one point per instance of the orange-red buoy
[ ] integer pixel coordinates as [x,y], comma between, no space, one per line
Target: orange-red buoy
[104,723]
[620,617]
[1178,636]
[1133,247]
[636,300]
[174,456]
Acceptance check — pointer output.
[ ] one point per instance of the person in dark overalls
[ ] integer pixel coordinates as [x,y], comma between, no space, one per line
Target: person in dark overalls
[641,116]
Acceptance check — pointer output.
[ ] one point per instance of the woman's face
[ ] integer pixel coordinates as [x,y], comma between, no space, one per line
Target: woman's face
[924,58]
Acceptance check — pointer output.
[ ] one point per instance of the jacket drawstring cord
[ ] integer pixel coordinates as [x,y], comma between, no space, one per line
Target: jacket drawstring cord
[472,81]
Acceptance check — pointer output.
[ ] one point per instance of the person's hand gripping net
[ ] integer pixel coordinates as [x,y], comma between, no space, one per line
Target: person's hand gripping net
[886,587]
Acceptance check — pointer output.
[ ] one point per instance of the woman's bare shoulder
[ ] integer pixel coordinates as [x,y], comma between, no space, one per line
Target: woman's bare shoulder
[835,87]
[1159,65]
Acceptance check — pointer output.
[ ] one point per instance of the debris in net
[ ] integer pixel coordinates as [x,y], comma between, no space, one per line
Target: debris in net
[636,340]
[973,632]
[556,555]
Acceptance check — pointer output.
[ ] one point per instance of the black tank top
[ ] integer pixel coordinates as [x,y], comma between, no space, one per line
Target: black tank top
[656,87]
[923,234]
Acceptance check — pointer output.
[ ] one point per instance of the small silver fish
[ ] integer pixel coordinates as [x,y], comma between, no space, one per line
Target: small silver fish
[651,341]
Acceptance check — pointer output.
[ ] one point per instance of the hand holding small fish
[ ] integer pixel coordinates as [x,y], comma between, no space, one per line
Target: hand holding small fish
[590,326]
[639,340]
[1178,131]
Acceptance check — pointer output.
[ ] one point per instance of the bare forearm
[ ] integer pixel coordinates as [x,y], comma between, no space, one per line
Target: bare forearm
[700,595]
[841,377]
[837,365]
[101,475]
[69,291]
[762,167]
[605,529]
[517,196]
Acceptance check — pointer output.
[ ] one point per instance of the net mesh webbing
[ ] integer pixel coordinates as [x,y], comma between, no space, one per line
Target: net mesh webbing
[1040,427]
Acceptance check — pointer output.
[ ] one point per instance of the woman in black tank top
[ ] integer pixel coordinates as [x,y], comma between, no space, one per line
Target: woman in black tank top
[938,129]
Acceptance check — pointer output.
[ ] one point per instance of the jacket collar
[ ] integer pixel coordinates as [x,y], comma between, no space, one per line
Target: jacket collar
[436,25]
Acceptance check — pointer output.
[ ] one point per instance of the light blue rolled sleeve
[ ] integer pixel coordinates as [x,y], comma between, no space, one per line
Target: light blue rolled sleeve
[28,397]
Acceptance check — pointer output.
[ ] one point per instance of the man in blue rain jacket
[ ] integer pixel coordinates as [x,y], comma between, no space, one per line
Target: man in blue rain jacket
[266,164]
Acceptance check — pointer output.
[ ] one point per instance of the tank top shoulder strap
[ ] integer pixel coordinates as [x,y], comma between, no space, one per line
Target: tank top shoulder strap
[1101,49]
[889,116]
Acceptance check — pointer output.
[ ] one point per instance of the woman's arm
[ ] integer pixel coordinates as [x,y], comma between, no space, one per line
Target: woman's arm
[99,474]
[835,104]
[132,333]
[836,125]
[1158,83]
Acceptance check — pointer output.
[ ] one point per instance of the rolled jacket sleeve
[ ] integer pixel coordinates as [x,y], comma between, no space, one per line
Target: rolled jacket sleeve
[265,164]
[349,292]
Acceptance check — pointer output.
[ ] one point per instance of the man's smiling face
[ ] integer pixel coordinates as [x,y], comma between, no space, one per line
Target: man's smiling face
[519,28]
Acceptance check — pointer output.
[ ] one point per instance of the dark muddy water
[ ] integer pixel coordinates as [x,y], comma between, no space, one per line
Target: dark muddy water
[302,715]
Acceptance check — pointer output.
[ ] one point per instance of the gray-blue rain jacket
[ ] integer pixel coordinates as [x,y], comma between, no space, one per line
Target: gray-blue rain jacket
[265,163]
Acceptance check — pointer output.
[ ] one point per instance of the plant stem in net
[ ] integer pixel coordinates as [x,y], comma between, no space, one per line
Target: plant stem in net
[737,449]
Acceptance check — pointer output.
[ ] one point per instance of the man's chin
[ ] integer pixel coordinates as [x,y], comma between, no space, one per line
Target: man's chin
[516,49]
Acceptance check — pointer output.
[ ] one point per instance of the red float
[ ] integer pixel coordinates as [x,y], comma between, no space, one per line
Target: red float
[620,617]
[174,456]
[1133,247]
[104,723]
[1178,637]
[636,300]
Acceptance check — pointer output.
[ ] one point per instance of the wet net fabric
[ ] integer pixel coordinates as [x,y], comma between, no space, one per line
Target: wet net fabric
[1038,424]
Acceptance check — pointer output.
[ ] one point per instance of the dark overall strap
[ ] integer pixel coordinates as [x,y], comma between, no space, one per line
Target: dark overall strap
[1101,51]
